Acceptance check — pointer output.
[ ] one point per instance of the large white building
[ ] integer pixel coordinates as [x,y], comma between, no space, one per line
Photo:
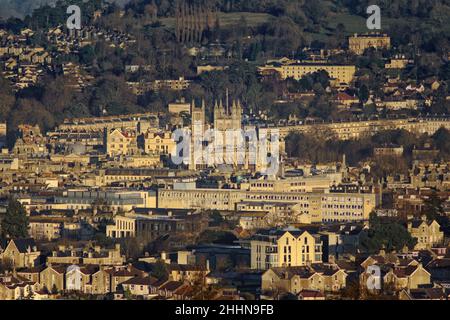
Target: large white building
[320,206]
[116,200]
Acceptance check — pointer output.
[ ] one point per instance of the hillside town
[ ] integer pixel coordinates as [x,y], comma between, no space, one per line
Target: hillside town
[251,175]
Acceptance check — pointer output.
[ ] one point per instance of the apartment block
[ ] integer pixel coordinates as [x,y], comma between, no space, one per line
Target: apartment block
[284,248]
[322,207]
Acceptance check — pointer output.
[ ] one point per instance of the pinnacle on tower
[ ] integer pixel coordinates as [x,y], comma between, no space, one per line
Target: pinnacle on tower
[227,102]
[221,106]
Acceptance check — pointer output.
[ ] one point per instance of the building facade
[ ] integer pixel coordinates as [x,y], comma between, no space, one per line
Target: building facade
[359,43]
[284,248]
[321,207]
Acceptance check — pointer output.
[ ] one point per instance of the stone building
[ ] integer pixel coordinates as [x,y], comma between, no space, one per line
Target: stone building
[389,272]
[14,287]
[52,278]
[321,207]
[89,256]
[284,248]
[341,73]
[427,233]
[321,277]
[358,43]
[228,145]
[157,142]
[152,226]
[120,142]
[23,253]
[358,129]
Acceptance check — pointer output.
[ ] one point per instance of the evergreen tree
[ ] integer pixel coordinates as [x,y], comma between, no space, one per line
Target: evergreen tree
[363,94]
[54,289]
[159,270]
[15,221]
[434,210]
[385,234]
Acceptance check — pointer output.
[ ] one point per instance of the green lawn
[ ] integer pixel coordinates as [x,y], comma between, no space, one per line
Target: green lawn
[357,24]
[230,19]
[352,23]
[234,18]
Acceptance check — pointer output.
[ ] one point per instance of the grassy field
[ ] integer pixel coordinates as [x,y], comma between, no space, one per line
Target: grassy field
[253,19]
[352,23]
[230,19]
[357,24]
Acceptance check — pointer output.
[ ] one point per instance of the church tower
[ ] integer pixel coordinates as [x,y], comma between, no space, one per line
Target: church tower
[197,130]
[197,114]
[228,117]
[236,114]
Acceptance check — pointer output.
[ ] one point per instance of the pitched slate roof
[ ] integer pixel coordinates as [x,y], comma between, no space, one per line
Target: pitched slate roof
[159,283]
[172,285]
[13,282]
[405,272]
[61,269]
[37,269]
[186,267]
[406,262]
[146,281]
[347,265]
[89,269]
[185,290]
[428,293]
[123,273]
[128,272]
[325,269]
[379,259]
[23,244]
[290,272]
[311,294]
[416,223]
[439,263]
